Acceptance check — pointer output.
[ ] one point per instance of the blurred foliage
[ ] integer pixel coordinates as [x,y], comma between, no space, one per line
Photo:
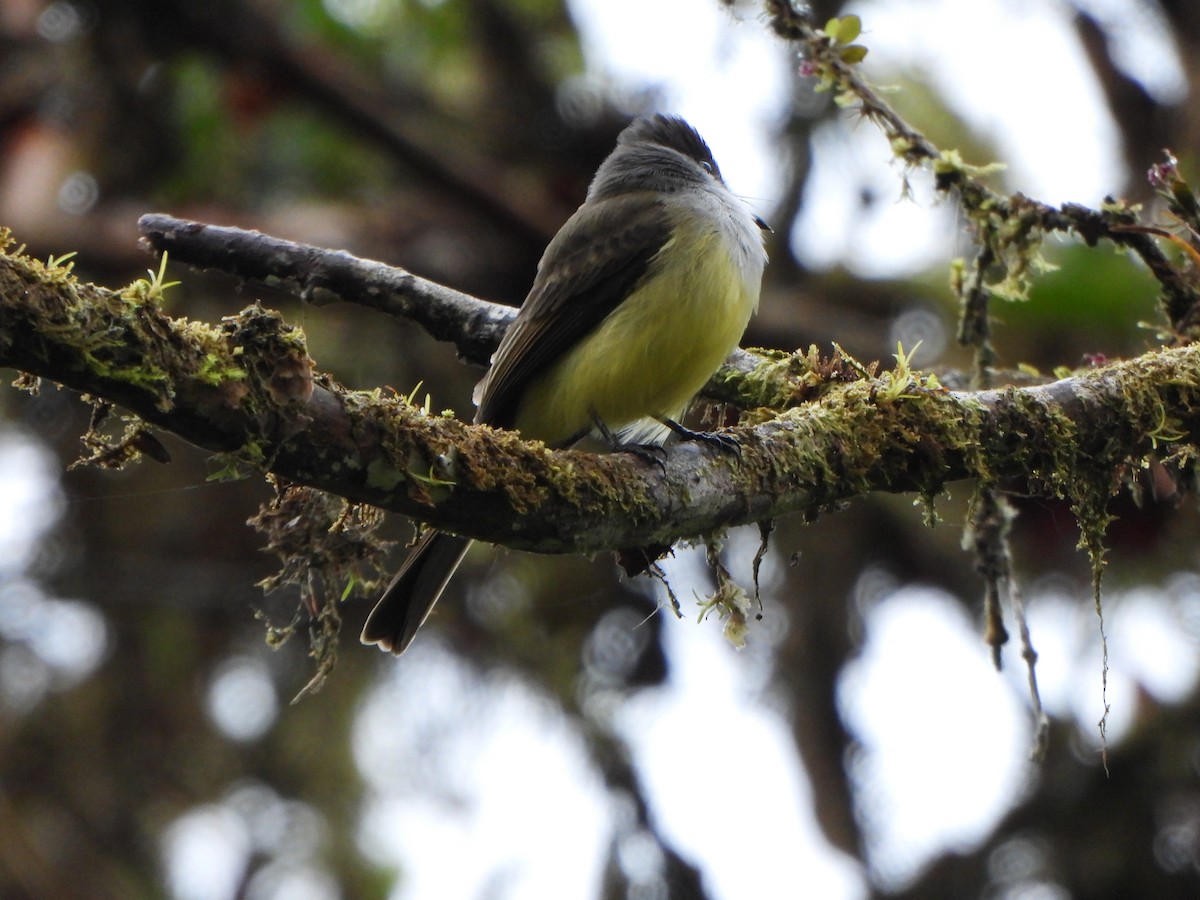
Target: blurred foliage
[1091,301]
[437,134]
[273,153]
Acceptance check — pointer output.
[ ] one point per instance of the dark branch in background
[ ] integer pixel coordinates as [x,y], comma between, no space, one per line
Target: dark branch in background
[1143,123]
[401,123]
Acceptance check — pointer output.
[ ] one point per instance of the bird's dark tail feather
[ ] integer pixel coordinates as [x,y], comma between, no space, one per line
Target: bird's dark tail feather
[409,598]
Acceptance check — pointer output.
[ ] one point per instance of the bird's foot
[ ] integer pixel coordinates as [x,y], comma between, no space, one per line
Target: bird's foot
[723,441]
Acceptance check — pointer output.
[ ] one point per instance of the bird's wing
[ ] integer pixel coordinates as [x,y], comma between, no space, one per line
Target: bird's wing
[592,264]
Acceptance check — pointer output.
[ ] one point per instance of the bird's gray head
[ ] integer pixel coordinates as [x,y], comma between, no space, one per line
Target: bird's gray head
[656,153]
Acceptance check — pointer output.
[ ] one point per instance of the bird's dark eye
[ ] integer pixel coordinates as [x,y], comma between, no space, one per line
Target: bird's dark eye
[706,166]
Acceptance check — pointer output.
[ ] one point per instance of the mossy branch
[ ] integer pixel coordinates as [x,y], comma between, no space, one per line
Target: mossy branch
[1008,229]
[248,387]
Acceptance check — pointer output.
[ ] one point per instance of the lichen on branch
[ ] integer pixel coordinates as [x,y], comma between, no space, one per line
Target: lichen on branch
[246,386]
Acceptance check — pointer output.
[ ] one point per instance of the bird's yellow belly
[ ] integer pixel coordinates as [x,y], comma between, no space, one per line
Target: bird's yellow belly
[653,353]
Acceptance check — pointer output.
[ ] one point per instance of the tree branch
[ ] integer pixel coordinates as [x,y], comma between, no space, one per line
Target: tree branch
[316,274]
[247,387]
[1008,229]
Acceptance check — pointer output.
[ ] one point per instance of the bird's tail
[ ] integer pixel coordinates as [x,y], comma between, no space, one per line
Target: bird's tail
[410,597]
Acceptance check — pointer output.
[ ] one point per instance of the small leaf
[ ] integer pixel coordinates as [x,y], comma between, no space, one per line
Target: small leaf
[831,29]
[849,27]
[855,53]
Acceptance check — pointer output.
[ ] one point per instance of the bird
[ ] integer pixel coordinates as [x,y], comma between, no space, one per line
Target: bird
[637,300]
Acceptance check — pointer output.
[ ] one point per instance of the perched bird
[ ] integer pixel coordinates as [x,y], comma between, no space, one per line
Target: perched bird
[637,301]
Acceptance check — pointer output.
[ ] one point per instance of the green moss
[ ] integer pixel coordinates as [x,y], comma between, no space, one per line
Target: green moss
[215,369]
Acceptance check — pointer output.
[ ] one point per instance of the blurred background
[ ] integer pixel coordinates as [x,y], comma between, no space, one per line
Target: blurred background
[555,731]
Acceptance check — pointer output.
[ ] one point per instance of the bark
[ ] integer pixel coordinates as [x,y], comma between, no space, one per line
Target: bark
[826,431]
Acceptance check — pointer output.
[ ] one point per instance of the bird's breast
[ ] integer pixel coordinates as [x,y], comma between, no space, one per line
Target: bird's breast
[654,352]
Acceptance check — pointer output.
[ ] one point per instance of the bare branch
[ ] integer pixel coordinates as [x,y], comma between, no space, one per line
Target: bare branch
[315,274]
